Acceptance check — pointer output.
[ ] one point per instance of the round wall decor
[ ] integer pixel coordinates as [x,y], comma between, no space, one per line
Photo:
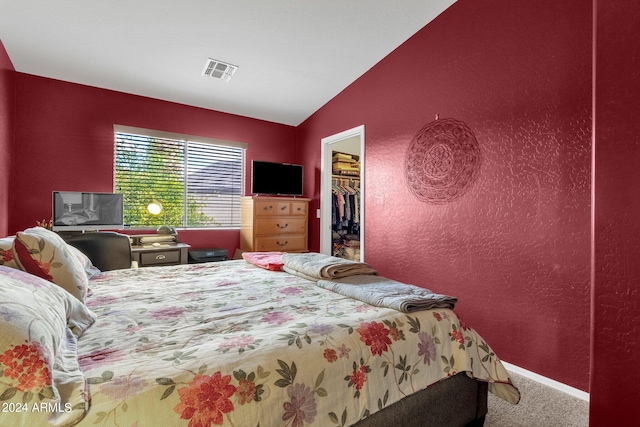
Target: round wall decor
[442,161]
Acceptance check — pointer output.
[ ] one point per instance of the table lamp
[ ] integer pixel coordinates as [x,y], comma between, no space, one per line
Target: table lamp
[155,208]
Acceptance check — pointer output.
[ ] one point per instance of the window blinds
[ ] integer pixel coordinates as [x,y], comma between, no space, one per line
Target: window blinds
[198,182]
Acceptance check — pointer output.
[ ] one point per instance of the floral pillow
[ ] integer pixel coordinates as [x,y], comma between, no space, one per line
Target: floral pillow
[6,252]
[44,254]
[87,265]
[38,362]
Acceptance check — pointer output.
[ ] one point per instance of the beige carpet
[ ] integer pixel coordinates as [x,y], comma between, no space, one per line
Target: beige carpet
[540,406]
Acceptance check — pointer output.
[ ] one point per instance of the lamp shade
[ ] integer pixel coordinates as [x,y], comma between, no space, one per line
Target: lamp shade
[166,229]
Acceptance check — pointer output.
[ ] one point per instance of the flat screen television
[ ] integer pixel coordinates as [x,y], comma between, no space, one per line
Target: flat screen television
[283,179]
[79,211]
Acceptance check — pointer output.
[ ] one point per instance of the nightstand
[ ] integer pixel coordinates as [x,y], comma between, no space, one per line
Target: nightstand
[161,254]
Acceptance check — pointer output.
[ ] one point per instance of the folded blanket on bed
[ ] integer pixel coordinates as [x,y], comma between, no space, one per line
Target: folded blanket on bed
[298,273]
[383,292]
[267,260]
[320,266]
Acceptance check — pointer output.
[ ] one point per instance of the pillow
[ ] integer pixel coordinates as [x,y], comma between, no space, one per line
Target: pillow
[6,253]
[90,269]
[44,254]
[38,360]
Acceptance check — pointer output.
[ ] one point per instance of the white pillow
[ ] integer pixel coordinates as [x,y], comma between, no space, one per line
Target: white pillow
[38,359]
[87,265]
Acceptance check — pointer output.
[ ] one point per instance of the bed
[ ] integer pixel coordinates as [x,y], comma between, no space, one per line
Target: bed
[232,344]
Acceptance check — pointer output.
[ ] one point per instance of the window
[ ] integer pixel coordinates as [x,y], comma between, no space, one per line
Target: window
[197,181]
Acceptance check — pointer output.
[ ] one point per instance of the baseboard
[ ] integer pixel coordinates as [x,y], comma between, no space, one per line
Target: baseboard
[547,381]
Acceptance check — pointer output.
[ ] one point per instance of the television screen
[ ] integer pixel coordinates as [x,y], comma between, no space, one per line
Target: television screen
[282,179]
[78,211]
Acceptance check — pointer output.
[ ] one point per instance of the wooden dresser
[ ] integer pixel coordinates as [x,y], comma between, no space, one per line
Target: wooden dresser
[274,224]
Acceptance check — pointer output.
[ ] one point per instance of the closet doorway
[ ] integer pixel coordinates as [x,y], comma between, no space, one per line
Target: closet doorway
[342,226]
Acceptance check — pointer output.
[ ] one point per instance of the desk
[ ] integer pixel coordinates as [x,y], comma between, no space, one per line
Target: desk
[163,254]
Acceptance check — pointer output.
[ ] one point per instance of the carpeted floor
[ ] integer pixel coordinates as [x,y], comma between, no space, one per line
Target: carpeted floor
[539,406]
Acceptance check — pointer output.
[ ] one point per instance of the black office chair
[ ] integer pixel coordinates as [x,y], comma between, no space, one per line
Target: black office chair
[106,250]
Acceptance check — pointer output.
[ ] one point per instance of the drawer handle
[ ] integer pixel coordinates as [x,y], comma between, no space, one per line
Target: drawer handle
[282,244]
[282,227]
[160,257]
[266,208]
[283,208]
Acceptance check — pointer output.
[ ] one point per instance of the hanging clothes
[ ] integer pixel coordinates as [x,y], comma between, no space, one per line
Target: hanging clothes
[345,217]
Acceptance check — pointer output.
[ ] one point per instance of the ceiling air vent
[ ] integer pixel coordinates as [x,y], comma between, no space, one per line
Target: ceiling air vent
[219,70]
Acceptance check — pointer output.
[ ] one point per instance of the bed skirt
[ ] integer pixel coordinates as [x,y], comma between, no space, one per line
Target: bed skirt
[458,401]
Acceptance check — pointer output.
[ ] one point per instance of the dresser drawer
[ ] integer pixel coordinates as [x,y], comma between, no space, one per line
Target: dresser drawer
[281,225]
[160,257]
[299,208]
[272,208]
[284,243]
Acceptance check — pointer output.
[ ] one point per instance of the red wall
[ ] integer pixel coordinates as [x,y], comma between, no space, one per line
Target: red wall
[7,74]
[516,247]
[615,385]
[64,141]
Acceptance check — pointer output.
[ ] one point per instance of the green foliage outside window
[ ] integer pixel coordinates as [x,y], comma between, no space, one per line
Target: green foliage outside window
[154,171]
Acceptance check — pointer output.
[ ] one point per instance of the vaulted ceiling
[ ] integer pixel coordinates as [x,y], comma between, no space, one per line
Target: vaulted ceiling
[292,55]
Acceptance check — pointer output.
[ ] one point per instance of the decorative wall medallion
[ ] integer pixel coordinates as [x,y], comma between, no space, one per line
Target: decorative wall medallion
[442,161]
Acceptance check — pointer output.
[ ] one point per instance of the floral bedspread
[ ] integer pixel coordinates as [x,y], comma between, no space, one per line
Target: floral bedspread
[232,344]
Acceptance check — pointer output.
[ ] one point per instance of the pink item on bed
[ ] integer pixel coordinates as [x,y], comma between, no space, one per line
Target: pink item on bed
[267,260]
